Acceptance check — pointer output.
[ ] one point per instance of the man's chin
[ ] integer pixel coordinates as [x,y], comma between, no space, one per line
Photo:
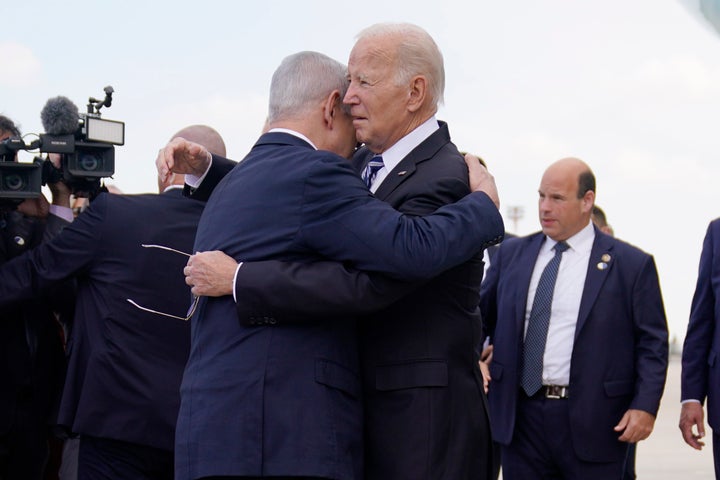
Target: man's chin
[549,232]
[359,125]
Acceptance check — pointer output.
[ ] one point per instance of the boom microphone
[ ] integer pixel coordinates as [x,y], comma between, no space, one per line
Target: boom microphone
[60,116]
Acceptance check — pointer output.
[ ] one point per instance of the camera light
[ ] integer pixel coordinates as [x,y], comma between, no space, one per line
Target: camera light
[101,130]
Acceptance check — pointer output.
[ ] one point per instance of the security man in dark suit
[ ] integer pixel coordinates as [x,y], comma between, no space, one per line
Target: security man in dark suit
[580,340]
[130,337]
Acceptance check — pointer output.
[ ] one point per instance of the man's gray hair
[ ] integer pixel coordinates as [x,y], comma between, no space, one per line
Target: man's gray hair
[301,81]
[417,54]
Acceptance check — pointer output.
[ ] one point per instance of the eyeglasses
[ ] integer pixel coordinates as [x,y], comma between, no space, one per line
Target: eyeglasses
[195,298]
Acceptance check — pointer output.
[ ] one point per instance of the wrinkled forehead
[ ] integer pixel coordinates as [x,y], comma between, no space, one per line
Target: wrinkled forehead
[377,53]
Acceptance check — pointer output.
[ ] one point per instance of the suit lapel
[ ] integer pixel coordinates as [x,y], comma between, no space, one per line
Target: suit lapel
[602,260]
[407,166]
[403,171]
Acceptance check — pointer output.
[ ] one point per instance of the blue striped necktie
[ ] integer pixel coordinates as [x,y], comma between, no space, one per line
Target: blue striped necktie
[371,170]
[536,336]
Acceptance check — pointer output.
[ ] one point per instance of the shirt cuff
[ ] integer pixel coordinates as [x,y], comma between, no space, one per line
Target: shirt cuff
[195,181]
[65,213]
[690,400]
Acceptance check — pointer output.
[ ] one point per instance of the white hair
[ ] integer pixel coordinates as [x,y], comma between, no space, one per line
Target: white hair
[301,80]
[417,53]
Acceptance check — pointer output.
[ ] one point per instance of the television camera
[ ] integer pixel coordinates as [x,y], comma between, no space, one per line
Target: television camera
[86,143]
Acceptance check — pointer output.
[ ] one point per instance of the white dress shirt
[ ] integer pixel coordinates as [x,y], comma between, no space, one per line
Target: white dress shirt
[393,155]
[565,304]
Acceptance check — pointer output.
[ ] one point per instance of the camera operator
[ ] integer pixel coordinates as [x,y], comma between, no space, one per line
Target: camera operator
[32,360]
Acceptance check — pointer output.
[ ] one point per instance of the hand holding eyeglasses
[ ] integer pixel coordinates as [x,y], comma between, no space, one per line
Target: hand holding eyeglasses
[210,274]
[195,298]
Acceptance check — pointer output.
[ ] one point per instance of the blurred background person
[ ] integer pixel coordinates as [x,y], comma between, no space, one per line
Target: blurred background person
[32,360]
[599,219]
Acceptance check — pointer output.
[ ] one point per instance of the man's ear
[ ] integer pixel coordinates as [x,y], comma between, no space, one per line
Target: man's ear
[330,106]
[418,92]
[588,201]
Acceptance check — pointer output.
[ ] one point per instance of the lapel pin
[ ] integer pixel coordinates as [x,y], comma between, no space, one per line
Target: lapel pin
[606,257]
[602,266]
[400,174]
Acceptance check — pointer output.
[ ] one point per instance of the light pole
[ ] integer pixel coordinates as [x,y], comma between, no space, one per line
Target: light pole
[515,213]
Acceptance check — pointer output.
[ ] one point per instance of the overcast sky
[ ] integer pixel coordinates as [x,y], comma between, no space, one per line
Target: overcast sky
[631,87]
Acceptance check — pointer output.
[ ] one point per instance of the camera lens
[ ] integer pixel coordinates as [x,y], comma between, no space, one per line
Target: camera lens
[14,182]
[88,162]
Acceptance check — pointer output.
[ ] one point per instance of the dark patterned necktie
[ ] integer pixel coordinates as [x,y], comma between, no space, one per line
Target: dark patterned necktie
[536,336]
[371,170]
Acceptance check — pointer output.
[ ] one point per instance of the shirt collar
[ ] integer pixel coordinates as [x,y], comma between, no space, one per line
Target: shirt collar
[294,134]
[581,242]
[393,155]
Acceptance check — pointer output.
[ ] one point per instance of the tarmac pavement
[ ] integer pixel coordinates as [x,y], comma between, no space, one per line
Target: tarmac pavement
[665,455]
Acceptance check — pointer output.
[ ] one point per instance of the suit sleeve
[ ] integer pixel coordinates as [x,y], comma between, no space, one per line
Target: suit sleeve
[61,296]
[218,169]
[372,236]
[702,324]
[288,292]
[651,346]
[297,292]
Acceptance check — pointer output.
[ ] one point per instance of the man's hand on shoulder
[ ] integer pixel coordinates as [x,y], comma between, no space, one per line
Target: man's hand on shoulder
[480,179]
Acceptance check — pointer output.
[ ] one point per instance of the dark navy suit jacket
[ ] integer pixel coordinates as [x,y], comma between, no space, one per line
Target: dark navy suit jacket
[620,353]
[425,413]
[701,350]
[125,365]
[281,399]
